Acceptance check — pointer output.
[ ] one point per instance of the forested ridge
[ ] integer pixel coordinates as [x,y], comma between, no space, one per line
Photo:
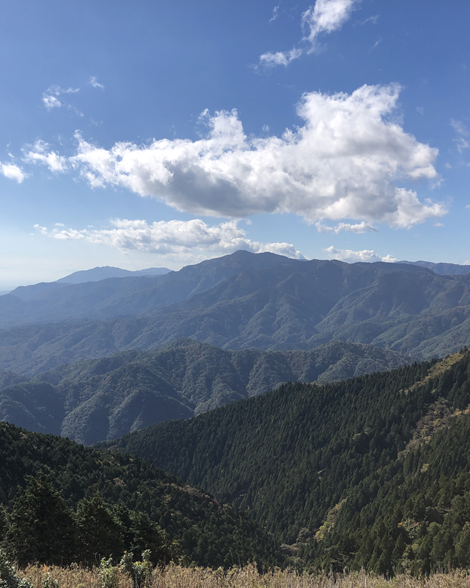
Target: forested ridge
[372,472]
[61,502]
[239,301]
[105,398]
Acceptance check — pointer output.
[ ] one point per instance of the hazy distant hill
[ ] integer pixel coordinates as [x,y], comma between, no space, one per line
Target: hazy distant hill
[103,273]
[124,296]
[239,301]
[371,472]
[94,400]
[443,269]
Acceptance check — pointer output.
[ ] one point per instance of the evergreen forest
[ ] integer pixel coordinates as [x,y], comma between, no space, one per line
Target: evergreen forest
[371,472]
[63,503]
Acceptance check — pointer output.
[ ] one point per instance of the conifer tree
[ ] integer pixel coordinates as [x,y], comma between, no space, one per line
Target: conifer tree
[41,528]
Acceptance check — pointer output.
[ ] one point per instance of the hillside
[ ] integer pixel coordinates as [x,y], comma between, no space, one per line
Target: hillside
[103,399]
[209,533]
[372,472]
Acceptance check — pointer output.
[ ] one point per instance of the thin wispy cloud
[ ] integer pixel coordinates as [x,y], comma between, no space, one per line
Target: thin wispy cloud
[357,228]
[376,44]
[371,20]
[325,17]
[50,97]
[95,84]
[275,14]
[171,237]
[462,132]
[53,96]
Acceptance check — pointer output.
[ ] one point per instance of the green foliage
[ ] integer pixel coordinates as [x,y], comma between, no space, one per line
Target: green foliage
[138,507]
[138,571]
[41,527]
[372,472]
[8,576]
[99,533]
[108,573]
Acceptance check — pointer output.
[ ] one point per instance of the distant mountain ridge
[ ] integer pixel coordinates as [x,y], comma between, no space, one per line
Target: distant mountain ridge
[239,301]
[443,269]
[103,273]
[106,398]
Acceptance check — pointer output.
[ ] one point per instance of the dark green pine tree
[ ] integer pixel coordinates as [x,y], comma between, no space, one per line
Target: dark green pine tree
[99,532]
[41,527]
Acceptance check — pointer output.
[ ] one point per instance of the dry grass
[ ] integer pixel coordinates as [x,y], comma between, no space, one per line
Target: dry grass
[175,576]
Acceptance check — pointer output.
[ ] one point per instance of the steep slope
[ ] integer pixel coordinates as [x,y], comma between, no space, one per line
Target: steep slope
[355,471]
[210,533]
[106,398]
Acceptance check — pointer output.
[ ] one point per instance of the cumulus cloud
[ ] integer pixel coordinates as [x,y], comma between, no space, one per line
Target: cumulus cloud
[367,255]
[362,227]
[12,172]
[171,237]
[40,153]
[326,16]
[346,161]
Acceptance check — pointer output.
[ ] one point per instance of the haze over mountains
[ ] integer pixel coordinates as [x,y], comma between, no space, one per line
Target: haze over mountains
[240,301]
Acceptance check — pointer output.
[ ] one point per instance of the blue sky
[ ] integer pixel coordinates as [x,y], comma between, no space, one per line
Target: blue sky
[160,133]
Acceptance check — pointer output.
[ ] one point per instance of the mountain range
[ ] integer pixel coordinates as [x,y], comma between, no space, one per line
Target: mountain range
[240,301]
[102,399]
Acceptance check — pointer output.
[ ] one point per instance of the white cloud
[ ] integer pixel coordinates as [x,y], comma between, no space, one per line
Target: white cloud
[344,162]
[40,153]
[51,102]
[280,58]
[362,227]
[12,172]
[326,16]
[171,237]
[367,255]
[50,96]
[275,14]
[95,84]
